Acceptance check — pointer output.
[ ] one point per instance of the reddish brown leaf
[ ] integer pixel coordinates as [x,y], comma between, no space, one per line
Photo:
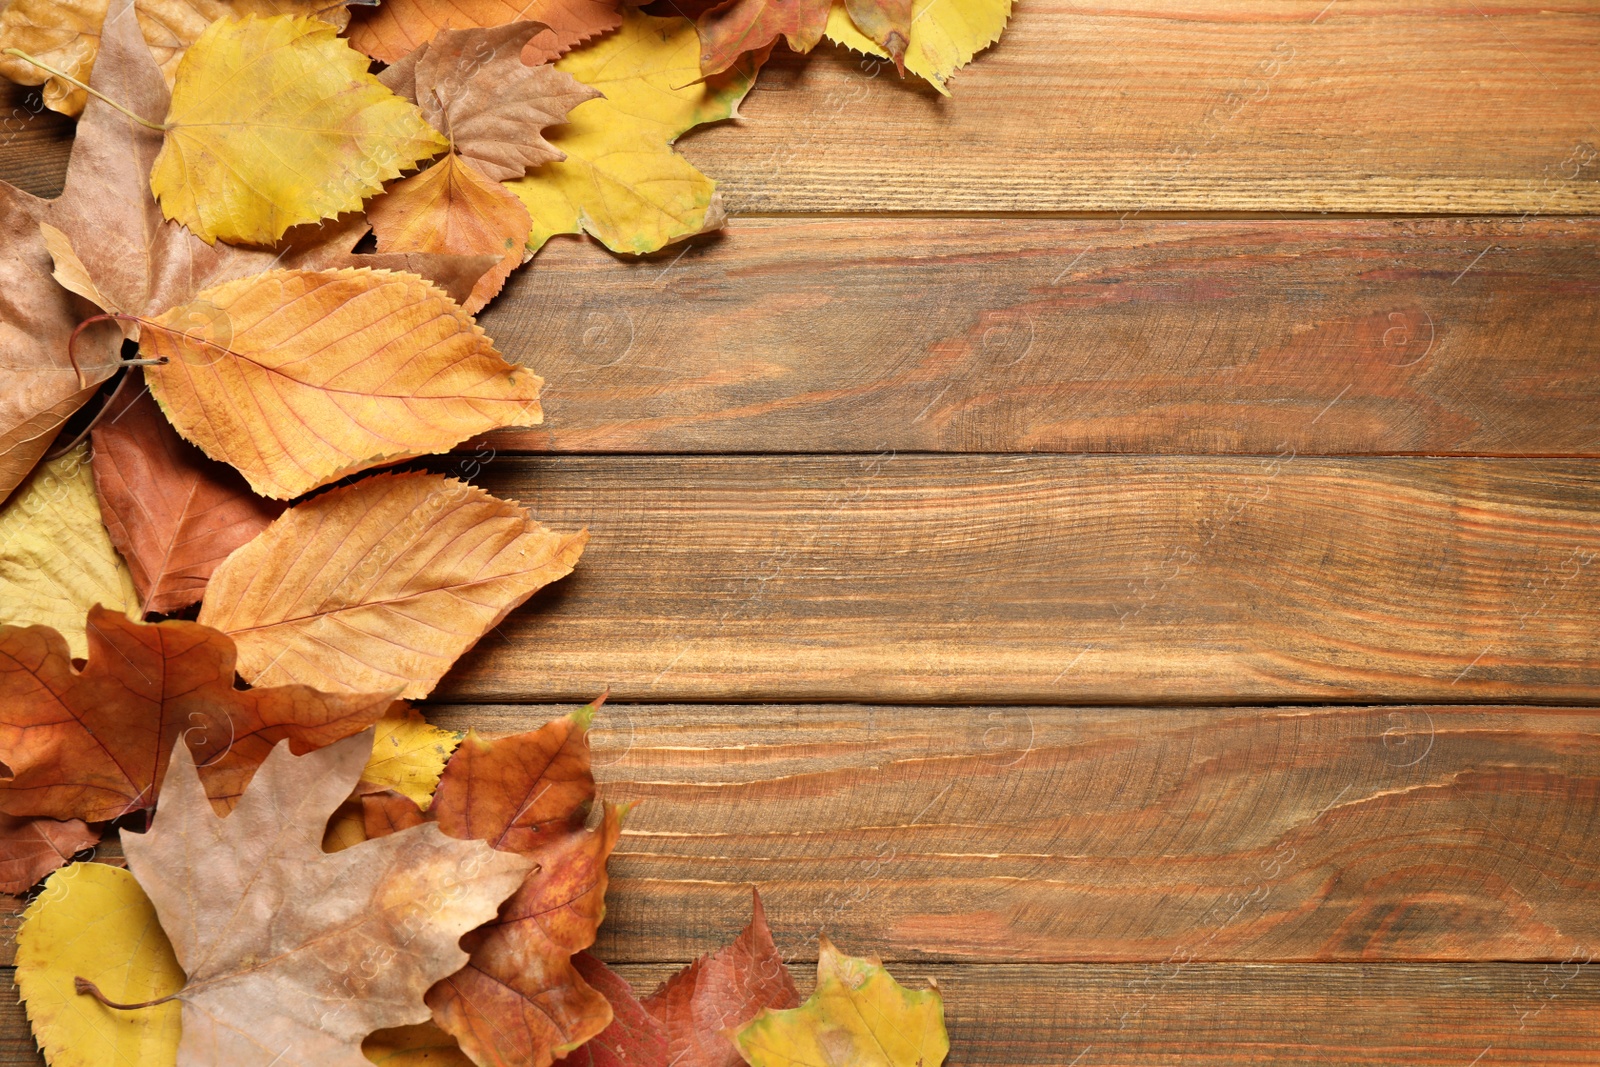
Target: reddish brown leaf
[634,1038]
[172,513]
[32,848]
[94,744]
[387,812]
[721,991]
[731,29]
[398,26]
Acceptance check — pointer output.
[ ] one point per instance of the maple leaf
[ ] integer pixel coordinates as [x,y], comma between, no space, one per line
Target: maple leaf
[945,35]
[721,991]
[93,921]
[299,378]
[621,181]
[245,159]
[399,26]
[730,30]
[93,744]
[172,513]
[634,1039]
[32,848]
[66,34]
[381,583]
[294,955]
[56,561]
[858,1015]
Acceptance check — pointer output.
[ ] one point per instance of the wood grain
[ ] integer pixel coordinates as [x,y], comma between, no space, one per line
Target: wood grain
[1054,579]
[1010,335]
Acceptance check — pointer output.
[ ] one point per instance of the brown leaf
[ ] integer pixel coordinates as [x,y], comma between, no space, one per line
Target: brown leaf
[32,848]
[634,1039]
[294,955]
[399,26]
[381,583]
[387,812]
[172,513]
[722,991]
[731,29]
[474,85]
[93,744]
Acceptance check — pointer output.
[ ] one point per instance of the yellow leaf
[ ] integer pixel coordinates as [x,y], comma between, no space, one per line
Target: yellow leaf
[298,378]
[56,558]
[621,180]
[859,1016]
[66,35]
[381,584]
[945,35]
[276,122]
[93,921]
[409,754]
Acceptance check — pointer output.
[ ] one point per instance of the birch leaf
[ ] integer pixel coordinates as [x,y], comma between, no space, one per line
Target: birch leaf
[945,35]
[408,755]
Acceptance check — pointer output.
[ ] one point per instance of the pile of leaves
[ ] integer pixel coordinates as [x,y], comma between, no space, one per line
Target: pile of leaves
[254,293]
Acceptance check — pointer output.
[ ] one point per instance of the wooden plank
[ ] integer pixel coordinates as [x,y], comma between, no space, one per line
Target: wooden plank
[1095,834]
[1002,335]
[1220,1015]
[1224,105]
[34,141]
[1054,579]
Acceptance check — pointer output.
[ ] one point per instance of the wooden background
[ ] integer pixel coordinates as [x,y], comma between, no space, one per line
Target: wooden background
[1123,541]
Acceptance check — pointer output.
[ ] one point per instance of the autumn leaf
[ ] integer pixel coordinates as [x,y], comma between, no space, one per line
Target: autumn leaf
[93,744]
[621,181]
[31,848]
[245,158]
[858,1015]
[66,34]
[730,30]
[408,755]
[399,26]
[299,378]
[381,583]
[172,513]
[93,921]
[945,35]
[634,1038]
[422,1045]
[722,991]
[56,561]
[293,955]
[887,23]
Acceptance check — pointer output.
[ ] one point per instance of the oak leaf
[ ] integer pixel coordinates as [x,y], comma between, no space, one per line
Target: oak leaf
[737,27]
[56,561]
[945,35]
[93,921]
[621,181]
[382,583]
[67,35]
[400,26]
[858,1015]
[299,378]
[293,955]
[276,122]
[93,744]
[172,513]
[634,1039]
[31,848]
[719,992]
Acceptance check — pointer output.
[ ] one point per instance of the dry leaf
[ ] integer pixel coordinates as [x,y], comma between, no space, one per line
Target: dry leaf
[732,29]
[66,34]
[293,955]
[56,561]
[621,180]
[887,23]
[634,1038]
[945,35]
[276,122]
[408,755]
[299,378]
[172,513]
[422,1045]
[858,1015]
[386,581]
[93,921]
[93,744]
[399,26]
[32,848]
[451,208]
[473,85]
[722,991]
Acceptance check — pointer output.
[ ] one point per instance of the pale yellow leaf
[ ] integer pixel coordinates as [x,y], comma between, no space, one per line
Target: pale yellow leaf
[408,754]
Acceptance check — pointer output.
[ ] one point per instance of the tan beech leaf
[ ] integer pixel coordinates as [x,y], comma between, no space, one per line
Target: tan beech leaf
[399,26]
[381,583]
[294,955]
[172,513]
[92,744]
[299,378]
[473,85]
[67,35]
[31,848]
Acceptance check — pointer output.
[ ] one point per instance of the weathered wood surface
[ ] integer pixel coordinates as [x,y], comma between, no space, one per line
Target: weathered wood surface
[1054,579]
[1001,335]
[1221,1015]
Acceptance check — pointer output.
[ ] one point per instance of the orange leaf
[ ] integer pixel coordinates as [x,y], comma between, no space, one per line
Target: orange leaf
[32,848]
[730,30]
[398,26]
[94,744]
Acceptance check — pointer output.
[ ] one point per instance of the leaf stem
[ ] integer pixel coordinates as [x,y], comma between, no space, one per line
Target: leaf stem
[88,988]
[102,97]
